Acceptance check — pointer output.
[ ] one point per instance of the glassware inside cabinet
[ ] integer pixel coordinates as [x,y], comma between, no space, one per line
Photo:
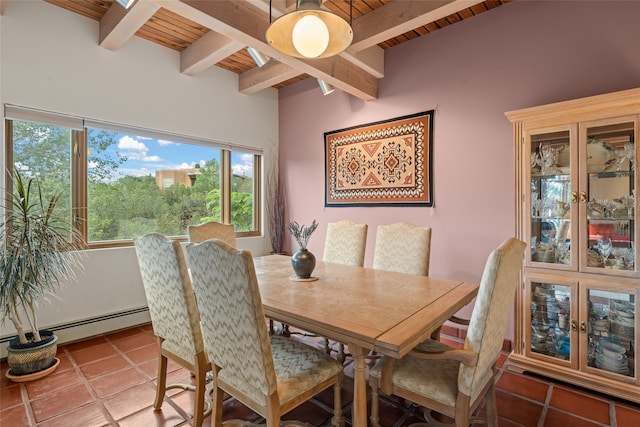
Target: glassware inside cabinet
[550,194]
[611,212]
[611,331]
[550,320]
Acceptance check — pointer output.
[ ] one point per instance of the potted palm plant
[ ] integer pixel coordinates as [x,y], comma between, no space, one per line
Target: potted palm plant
[40,252]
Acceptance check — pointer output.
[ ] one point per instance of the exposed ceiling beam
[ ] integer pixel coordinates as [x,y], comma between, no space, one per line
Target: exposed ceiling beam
[241,21]
[207,51]
[118,25]
[398,17]
[272,73]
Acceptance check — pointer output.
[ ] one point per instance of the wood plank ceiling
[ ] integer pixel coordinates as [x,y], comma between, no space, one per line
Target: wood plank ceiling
[216,33]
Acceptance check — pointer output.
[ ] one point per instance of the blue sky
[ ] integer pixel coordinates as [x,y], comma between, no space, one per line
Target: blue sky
[146,155]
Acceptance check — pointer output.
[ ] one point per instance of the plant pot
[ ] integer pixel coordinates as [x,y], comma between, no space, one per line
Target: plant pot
[303,263]
[25,359]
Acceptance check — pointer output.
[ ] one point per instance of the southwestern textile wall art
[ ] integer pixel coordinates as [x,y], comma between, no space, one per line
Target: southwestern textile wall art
[385,163]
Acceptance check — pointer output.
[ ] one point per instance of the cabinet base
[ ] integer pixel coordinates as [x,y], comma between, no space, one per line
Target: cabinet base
[630,392]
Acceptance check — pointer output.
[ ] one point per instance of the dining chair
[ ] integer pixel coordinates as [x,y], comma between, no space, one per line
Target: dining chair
[270,374]
[403,248]
[212,229]
[454,381]
[174,317]
[345,243]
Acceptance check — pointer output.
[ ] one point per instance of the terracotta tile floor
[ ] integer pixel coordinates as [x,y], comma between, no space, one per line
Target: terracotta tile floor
[110,381]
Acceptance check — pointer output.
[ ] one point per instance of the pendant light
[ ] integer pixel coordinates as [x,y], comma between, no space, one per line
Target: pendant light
[309,31]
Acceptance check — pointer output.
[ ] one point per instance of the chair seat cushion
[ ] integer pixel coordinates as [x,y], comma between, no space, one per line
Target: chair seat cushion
[300,367]
[437,379]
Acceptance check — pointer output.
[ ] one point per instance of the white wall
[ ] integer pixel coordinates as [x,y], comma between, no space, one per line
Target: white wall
[50,60]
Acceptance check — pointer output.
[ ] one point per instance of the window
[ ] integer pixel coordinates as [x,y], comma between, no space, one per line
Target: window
[120,182]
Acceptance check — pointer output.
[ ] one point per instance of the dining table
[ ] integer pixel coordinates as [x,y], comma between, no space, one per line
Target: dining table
[367,309]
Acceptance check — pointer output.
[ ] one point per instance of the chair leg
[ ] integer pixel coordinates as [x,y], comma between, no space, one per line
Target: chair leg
[492,409]
[162,381]
[463,411]
[325,345]
[201,384]
[375,394]
[342,356]
[337,406]
[216,405]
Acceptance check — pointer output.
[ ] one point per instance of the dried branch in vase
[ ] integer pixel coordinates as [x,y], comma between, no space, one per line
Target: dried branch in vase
[302,233]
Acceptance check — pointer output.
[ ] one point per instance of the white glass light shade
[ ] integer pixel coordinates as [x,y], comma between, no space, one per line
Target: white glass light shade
[310,36]
[280,34]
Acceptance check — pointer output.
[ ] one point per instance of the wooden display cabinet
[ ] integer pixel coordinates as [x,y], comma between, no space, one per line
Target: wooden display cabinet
[577,205]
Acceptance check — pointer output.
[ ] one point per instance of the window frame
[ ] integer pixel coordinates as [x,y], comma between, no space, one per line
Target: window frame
[79,165]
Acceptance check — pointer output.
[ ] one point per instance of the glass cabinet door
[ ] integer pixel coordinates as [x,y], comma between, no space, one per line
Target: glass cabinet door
[553,321]
[609,152]
[611,332]
[550,197]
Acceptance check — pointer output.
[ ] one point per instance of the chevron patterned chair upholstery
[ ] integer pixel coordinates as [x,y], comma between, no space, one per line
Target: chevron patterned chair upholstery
[174,316]
[269,374]
[210,230]
[453,381]
[403,248]
[345,243]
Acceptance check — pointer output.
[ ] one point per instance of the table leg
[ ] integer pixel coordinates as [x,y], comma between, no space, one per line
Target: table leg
[359,386]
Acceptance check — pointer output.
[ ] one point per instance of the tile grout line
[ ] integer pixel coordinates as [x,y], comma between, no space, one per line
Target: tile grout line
[85,380]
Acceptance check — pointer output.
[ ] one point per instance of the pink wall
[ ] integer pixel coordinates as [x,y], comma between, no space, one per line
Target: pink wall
[522,54]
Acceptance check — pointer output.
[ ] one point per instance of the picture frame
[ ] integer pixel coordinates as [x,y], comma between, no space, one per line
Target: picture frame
[385,163]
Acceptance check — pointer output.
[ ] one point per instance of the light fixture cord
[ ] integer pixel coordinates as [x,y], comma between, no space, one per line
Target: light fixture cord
[350,13]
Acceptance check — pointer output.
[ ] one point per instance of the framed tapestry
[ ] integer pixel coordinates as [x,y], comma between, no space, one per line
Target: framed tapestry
[386,163]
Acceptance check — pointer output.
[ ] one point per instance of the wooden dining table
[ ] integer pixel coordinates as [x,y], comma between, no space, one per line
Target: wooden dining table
[364,308]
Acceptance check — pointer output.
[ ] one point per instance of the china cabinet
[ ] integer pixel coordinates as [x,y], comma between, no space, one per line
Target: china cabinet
[577,317]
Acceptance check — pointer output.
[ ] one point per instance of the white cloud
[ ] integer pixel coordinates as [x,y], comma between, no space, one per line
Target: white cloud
[136,150]
[130,144]
[164,142]
[242,169]
[245,168]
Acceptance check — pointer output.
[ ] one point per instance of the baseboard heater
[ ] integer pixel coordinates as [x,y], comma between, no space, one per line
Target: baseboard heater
[116,320]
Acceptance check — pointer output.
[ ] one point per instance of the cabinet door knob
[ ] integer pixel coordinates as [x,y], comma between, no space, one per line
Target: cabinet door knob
[574,196]
[583,197]
[583,327]
[574,325]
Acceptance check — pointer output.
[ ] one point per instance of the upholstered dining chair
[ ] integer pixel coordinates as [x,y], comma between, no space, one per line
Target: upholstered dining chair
[453,381]
[210,230]
[269,374]
[403,248]
[174,316]
[345,243]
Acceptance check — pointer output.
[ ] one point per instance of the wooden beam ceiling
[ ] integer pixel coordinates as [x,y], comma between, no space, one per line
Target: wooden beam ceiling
[216,32]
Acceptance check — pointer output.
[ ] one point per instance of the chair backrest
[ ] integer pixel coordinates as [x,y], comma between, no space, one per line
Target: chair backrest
[404,248]
[490,315]
[345,243]
[233,320]
[212,230]
[172,305]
